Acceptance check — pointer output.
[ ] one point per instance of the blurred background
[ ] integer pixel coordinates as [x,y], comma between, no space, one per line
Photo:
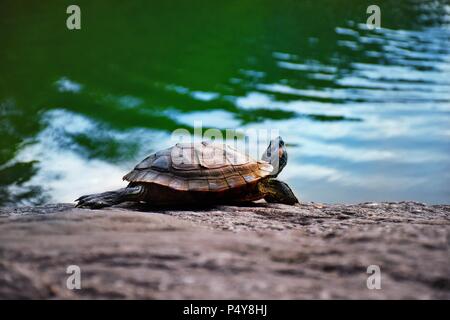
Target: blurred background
[366,114]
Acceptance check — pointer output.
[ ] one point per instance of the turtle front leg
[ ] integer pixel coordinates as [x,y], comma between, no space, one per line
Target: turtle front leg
[276,191]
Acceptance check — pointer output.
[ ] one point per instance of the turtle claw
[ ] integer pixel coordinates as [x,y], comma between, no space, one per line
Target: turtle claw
[93,203]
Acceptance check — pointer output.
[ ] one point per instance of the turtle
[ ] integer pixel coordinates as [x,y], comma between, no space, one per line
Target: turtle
[200,173]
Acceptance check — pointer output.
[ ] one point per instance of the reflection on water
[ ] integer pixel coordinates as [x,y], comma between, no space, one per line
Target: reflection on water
[365,113]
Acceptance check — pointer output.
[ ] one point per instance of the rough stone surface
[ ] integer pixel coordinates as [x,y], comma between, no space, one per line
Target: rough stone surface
[259,252]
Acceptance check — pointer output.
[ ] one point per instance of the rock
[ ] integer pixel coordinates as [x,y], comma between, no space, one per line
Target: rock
[263,251]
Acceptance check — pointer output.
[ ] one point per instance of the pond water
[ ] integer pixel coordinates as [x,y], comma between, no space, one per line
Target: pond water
[365,113]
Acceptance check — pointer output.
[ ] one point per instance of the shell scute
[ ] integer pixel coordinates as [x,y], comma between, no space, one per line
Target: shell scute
[235,181]
[198,185]
[161,163]
[184,158]
[179,184]
[162,179]
[249,178]
[217,184]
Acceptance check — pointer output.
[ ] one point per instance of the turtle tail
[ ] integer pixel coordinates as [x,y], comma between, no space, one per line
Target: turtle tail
[110,198]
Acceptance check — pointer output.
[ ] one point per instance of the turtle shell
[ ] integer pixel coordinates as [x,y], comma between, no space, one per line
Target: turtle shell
[204,166]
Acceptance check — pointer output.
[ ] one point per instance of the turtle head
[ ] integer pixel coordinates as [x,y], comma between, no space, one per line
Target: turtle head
[276,155]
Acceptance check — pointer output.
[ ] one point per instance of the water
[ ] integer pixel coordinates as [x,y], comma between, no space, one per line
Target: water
[365,113]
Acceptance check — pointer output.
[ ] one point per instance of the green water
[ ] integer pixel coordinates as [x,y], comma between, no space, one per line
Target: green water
[366,114]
